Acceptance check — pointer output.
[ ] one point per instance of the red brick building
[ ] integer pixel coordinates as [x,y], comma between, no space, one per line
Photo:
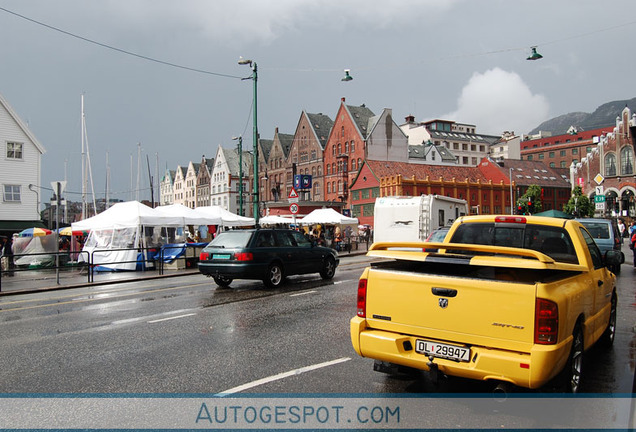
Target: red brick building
[560,151]
[486,188]
[609,168]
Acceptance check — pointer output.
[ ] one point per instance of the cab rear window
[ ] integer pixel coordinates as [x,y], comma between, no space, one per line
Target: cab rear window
[552,241]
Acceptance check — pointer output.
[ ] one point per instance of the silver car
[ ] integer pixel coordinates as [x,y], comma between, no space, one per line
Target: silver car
[606,235]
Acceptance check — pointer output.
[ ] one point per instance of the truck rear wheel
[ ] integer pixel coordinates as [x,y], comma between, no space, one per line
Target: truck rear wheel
[571,375]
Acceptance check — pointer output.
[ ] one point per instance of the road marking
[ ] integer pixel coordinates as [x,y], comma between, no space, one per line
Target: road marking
[302,293]
[86,297]
[170,318]
[282,376]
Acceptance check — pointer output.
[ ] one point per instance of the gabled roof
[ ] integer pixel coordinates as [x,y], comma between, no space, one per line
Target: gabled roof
[21,125]
[418,151]
[360,116]
[265,147]
[321,126]
[285,142]
[168,175]
[527,173]
[407,170]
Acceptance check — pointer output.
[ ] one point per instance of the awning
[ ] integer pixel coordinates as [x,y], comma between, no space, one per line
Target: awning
[8,226]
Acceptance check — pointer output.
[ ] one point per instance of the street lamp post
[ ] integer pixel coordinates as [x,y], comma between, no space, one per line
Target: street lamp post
[512,205]
[240,152]
[254,77]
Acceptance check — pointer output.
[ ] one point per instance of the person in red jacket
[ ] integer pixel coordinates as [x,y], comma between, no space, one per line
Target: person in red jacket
[632,245]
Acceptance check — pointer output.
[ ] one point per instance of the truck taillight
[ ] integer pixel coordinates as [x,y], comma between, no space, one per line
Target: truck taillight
[244,256]
[204,256]
[362,298]
[546,322]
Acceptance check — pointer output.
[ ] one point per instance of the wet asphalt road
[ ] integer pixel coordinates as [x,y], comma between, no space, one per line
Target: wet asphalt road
[185,335]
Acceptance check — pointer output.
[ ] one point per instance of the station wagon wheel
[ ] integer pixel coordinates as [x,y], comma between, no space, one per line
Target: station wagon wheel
[574,366]
[222,281]
[274,277]
[608,337]
[328,268]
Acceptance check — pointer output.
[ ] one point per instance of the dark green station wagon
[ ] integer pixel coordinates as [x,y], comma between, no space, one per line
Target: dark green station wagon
[264,254]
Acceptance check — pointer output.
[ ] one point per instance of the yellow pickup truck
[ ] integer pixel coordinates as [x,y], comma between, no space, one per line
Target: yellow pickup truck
[512,299]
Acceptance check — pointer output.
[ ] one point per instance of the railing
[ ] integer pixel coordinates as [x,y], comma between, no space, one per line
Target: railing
[151,258]
[61,258]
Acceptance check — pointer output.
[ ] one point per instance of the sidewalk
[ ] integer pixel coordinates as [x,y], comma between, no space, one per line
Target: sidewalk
[30,281]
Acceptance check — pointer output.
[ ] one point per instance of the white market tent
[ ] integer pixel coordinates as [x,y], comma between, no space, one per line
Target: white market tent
[122,227]
[327,216]
[220,216]
[185,215]
[275,219]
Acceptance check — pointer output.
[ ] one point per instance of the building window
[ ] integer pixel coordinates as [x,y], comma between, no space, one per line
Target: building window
[347,147]
[353,164]
[529,157]
[541,155]
[11,193]
[353,146]
[575,151]
[551,154]
[14,150]
[610,164]
[563,164]
[627,160]
[562,153]
[552,165]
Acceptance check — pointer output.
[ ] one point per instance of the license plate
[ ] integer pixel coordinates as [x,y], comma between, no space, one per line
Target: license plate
[221,256]
[437,349]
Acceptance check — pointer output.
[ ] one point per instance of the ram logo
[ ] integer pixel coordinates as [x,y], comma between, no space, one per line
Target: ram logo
[443,303]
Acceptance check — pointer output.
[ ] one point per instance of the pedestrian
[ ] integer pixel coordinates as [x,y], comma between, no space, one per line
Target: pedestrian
[7,252]
[622,228]
[632,245]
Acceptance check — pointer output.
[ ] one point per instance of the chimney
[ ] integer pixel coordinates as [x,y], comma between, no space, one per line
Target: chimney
[342,99]
[410,119]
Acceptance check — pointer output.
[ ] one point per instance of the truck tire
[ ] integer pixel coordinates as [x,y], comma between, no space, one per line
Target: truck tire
[571,374]
[275,276]
[328,268]
[222,281]
[610,332]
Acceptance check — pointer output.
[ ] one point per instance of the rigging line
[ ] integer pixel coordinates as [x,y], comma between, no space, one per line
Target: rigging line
[130,53]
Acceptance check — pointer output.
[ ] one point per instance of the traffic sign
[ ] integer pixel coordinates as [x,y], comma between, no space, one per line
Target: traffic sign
[293,196]
[599,198]
[600,205]
[599,190]
[294,208]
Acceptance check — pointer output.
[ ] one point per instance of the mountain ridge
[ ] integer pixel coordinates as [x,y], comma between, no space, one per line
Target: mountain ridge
[604,115]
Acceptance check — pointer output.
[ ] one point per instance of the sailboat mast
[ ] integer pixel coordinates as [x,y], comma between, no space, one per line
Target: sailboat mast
[83,161]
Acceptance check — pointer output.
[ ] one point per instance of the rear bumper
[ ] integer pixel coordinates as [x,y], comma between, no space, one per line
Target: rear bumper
[234,270]
[529,370]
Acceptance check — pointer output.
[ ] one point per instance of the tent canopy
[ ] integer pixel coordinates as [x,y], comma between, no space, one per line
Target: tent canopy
[133,214]
[327,216]
[121,215]
[219,216]
[184,215]
[555,213]
[275,219]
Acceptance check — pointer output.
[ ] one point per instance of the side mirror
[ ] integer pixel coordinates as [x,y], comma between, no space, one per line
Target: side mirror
[614,258]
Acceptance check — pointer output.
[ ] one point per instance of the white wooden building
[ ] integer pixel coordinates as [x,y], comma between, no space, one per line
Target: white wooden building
[20,172]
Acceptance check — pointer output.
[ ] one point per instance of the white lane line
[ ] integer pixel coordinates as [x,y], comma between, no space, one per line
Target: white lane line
[282,376]
[302,293]
[170,318]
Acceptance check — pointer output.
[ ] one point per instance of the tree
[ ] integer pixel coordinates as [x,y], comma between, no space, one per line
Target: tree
[530,202]
[579,205]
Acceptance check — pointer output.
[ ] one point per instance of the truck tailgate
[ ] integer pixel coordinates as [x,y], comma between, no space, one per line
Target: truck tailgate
[463,309]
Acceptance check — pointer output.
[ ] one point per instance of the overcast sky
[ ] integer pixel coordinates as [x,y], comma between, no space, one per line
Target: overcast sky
[459,60]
